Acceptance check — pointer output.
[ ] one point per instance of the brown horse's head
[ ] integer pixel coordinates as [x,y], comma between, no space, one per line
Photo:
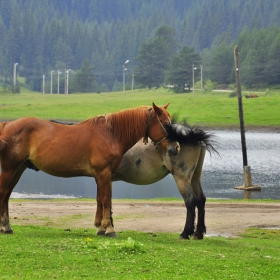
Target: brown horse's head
[157,130]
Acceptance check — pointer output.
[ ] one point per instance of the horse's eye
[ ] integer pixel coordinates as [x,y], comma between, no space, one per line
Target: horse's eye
[166,125]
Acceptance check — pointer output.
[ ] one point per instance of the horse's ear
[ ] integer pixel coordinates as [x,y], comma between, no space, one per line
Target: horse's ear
[166,105]
[157,109]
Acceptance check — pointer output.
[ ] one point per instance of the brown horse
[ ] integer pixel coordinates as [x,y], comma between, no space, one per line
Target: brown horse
[94,148]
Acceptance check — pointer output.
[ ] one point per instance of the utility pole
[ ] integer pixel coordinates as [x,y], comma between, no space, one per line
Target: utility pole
[15,76]
[247,169]
[51,80]
[201,76]
[124,69]
[193,68]
[58,73]
[67,81]
[132,82]
[43,84]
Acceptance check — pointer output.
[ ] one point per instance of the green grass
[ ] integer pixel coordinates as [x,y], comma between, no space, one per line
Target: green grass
[208,109]
[38,252]
[35,252]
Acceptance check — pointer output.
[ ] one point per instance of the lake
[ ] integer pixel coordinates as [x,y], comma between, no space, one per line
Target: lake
[220,174]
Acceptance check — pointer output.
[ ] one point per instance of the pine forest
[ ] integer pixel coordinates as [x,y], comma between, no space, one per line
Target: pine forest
[93,43]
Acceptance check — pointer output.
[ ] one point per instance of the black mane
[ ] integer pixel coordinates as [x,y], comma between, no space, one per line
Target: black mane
[186,134]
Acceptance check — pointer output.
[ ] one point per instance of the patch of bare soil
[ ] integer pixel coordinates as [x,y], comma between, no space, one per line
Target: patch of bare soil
[226,219]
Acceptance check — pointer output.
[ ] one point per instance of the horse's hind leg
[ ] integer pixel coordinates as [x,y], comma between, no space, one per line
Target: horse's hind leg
[8,180]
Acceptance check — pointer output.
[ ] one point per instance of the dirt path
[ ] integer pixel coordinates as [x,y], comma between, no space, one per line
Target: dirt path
[226,219]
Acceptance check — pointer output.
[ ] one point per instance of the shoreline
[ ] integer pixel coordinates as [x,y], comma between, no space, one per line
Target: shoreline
[225,127]
[222,219]
[248,128]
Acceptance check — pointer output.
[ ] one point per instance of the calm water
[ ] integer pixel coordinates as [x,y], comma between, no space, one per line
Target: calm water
[220,174]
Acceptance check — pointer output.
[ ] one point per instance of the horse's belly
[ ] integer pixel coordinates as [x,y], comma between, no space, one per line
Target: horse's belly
[62,169]
[140,176]
[67,173]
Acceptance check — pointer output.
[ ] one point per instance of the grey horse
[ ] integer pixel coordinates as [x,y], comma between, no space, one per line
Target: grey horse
[145,164]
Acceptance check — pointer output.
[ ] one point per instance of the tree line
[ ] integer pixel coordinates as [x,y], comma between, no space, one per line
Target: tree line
[162,40]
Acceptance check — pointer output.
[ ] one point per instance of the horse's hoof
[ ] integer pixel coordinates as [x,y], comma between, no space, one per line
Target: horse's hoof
[198,236]
[7,231]
[101,232]
[183,238]
[111,234]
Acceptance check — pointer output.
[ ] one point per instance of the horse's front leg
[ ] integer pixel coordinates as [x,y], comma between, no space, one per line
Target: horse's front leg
[189,225]
[99,213]
[200,228]
[185,190]
[201,199]
[103,217]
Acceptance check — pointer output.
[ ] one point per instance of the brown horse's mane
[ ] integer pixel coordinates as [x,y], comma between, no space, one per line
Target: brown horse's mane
[2,124]
[126,124]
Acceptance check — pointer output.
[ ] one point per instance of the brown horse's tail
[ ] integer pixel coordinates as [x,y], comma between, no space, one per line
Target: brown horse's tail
[2,140]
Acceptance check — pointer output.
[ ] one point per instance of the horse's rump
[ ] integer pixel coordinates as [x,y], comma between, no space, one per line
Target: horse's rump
[2,140]
[2,144]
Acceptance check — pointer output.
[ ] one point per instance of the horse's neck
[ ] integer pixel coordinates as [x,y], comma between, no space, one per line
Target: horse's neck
[130,130]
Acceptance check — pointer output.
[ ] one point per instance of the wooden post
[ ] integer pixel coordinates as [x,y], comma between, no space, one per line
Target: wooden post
[247,169]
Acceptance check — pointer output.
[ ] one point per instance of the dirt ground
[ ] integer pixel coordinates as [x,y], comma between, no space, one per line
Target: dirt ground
[222,218]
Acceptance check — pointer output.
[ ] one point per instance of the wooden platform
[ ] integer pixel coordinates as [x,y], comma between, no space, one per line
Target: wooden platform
[249,188]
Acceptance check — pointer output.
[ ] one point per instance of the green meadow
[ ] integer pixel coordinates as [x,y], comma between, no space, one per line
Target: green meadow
[51,252]
[212,109]
[37,252]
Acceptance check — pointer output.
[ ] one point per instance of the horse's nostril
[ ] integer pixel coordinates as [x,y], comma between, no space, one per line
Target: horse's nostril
[170,153]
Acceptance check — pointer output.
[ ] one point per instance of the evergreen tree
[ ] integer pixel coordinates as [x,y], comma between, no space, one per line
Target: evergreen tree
[221,64]
[154,57]
[84,79]
[180,71]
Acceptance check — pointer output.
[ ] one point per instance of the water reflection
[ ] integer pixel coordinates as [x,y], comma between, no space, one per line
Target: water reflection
[220,174]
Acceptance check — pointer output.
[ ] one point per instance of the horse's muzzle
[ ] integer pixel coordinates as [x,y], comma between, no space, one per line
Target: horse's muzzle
[174,150]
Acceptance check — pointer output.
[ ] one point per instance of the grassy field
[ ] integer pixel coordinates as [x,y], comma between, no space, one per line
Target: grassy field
[53,253]
[38,252]
[208,109]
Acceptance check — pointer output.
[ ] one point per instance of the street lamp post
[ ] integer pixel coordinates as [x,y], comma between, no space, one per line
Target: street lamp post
[132,82]
[193,68]
[124,69]
[43,84]
[51,80]
[58,73]
[201,76]
[15,75]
